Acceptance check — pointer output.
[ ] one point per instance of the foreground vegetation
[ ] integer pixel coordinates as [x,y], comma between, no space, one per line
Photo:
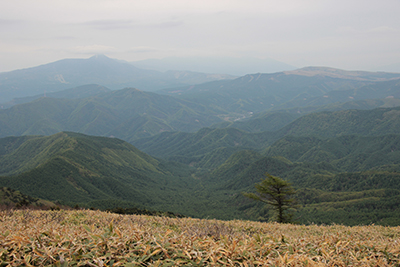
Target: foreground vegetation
[94,238]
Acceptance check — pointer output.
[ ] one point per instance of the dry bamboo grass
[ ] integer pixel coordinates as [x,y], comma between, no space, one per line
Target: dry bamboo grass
[93,238]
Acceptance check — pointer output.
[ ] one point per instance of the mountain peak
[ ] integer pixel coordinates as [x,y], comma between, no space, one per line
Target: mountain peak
[100,57]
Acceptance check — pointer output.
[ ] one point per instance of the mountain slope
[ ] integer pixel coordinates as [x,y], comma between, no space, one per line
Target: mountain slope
[193,148]
[324,194]
[127,114]
[385,90]
[346,122]
[13,198]
[261,92]
[233,66]
[99,69]
[276,119]
[72,167]
[77,92]
[347,153]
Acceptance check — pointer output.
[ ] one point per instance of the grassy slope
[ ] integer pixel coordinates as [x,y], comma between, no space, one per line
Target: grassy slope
[98,238]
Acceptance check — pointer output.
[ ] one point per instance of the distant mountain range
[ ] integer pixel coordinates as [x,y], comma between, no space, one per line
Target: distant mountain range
[229,65]
[131,114]
[71,93]
[99,69]
[310,86]
[194,149]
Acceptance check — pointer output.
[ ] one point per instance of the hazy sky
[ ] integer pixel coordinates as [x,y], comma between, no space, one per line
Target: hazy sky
[346,34]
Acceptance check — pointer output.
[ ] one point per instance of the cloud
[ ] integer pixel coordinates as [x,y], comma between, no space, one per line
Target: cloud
[64,37]
[142,49]
[383,29]
[11,24]
[129,24]
[9,21]
[167,24]
[109,24]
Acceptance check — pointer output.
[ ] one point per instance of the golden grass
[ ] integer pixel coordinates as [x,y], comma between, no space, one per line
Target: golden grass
[93,238]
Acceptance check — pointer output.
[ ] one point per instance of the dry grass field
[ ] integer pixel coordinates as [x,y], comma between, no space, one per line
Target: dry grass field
[93,238]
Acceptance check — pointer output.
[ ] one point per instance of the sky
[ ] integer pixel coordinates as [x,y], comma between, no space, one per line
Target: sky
[345,34]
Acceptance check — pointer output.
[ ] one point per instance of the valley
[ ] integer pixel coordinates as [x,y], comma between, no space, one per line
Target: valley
[194,149]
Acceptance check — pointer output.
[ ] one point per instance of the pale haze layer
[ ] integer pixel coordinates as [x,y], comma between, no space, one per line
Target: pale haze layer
[357,34]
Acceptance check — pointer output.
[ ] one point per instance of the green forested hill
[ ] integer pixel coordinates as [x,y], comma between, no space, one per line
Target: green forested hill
[108,172]
[35,151]
[192,148]
[347,153]
[324,194]
[276,119]
[126,114]
[13,198]
[379,121]
[386,90]
[262,122]
[346,162]
[71,167]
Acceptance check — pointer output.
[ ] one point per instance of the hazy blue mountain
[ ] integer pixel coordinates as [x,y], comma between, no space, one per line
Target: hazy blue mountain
[99,69]
[389,90]
[277,119]
[395,67]
[77,92]
[229,65]
[345,74]
[261,122]
[260,92]
[128,114]
[376,122]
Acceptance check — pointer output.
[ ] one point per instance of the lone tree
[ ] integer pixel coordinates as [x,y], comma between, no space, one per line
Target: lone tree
[277,193]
